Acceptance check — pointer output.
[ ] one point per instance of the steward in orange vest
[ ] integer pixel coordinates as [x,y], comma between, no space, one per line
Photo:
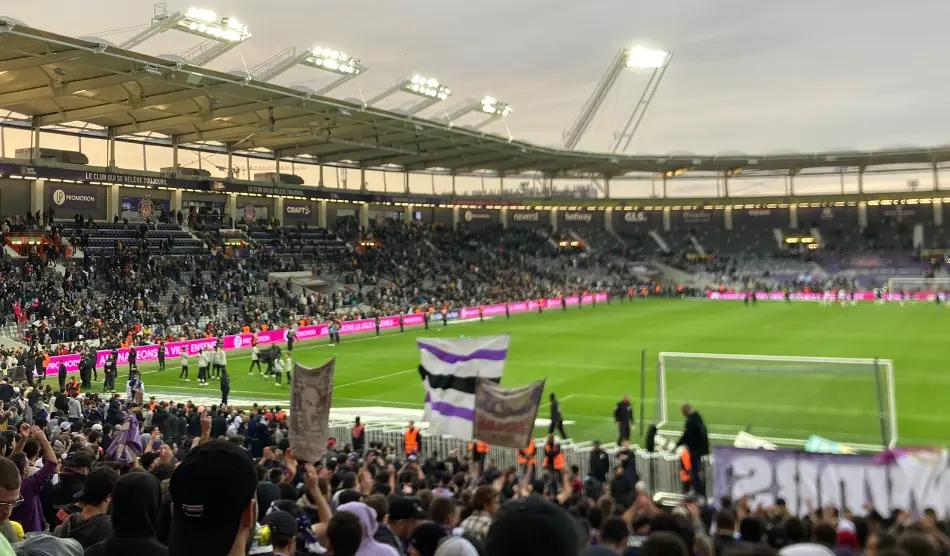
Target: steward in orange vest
[526,455]
[479,452]
[412,442]
[553,456]
[527,459]
[686,466]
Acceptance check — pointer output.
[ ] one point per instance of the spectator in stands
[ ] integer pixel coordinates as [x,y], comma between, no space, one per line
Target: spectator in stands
[425,539]
[532,527]
[614,537]
[214,508]
[283,532]
[485,503]
[345,536]
[725,530]
[366,543]
[29,512]
[135,510]
[92,523]
[10,480]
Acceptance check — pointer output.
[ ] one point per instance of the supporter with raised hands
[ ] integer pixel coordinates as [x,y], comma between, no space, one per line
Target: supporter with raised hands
[28,509]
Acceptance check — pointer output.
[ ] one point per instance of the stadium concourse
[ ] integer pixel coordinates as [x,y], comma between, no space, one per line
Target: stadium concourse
[159,278]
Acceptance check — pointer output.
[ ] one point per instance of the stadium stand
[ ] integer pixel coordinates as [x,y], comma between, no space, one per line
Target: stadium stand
[184,476]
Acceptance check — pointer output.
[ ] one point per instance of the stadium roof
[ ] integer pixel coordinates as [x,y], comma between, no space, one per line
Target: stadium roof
[57,79]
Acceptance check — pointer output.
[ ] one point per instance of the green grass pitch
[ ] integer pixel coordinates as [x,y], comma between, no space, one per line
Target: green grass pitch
[591,357]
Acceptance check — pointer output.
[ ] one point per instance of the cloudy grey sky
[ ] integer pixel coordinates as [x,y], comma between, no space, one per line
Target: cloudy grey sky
[748,75]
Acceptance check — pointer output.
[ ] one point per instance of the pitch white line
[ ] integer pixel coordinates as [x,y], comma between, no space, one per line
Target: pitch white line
[375,378]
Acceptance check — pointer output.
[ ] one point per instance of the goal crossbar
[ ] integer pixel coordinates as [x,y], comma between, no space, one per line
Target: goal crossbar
[884,369]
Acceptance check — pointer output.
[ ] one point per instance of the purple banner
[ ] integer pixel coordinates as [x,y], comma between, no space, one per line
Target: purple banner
[906,480]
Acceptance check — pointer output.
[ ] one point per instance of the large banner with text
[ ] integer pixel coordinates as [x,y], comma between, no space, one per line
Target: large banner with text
[911,481]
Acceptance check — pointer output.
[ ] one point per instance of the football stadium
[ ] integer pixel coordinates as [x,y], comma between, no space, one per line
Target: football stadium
[265,297]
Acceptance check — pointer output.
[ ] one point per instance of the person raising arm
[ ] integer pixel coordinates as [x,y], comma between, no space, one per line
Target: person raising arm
[30,513]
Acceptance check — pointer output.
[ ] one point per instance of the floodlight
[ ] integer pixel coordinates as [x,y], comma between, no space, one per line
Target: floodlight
[491,106]
[333,60]
[640,56]
[427,87]
[206,23]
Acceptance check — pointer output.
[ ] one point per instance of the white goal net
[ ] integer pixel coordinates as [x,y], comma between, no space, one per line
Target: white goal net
[784,399]
[906,284]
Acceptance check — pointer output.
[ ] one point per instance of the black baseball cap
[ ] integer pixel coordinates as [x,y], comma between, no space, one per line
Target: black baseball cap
[210,489]
[401,507]
[282,524]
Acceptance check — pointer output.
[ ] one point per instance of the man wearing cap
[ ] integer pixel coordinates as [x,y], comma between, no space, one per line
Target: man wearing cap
[214,509]
[283,532]
[404,516]
[58,499]
[91,524]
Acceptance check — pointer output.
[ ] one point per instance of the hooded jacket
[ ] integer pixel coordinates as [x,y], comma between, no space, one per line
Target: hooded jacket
[88,532]
[135,507]
[367,517]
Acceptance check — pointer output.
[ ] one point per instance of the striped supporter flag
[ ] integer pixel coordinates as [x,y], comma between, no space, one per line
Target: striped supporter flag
[450,370]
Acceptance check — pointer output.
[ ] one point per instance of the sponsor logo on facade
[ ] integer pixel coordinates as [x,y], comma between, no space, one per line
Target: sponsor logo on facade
[473,215]
[526,217]
[759,212]
[60,197]
[635,217]
[303,210]
[696,216]
[578,217]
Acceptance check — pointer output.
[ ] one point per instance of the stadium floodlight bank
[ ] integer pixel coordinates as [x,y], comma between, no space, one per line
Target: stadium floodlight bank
[783,399]
[910,284]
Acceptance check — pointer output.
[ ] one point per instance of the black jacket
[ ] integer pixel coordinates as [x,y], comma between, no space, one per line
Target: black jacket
[694,436]
[87,532]
[599,465]
[623,414]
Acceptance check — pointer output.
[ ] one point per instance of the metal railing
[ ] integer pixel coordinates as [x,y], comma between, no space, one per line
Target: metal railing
[659,471]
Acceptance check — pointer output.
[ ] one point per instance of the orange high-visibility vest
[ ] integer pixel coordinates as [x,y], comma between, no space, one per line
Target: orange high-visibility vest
[411,441]
[478,447]
[686,465]
[558,456]
[526,456]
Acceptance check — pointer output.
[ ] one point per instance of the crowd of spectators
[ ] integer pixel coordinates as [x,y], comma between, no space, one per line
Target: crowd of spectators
[114,476]
[130,295]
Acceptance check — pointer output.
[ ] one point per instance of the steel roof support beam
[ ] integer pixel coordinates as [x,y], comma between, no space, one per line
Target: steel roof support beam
[36,60]
[140,103]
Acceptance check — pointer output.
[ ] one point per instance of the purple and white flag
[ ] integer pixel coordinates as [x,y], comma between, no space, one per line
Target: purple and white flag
[450,370]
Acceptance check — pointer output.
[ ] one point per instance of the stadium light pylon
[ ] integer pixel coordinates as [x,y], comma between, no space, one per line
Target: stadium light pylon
[487,105]
[429,88]
[328,60]
[221,34]
[637,57]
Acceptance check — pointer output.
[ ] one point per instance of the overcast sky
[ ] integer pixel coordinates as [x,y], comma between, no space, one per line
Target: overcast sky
[748,76]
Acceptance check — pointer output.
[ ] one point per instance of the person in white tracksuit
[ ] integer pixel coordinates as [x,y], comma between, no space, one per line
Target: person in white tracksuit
[220,362]
[255,360]
[204,359]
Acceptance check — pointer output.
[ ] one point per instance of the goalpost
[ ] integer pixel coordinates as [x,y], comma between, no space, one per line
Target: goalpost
[784,399]
[896,285]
